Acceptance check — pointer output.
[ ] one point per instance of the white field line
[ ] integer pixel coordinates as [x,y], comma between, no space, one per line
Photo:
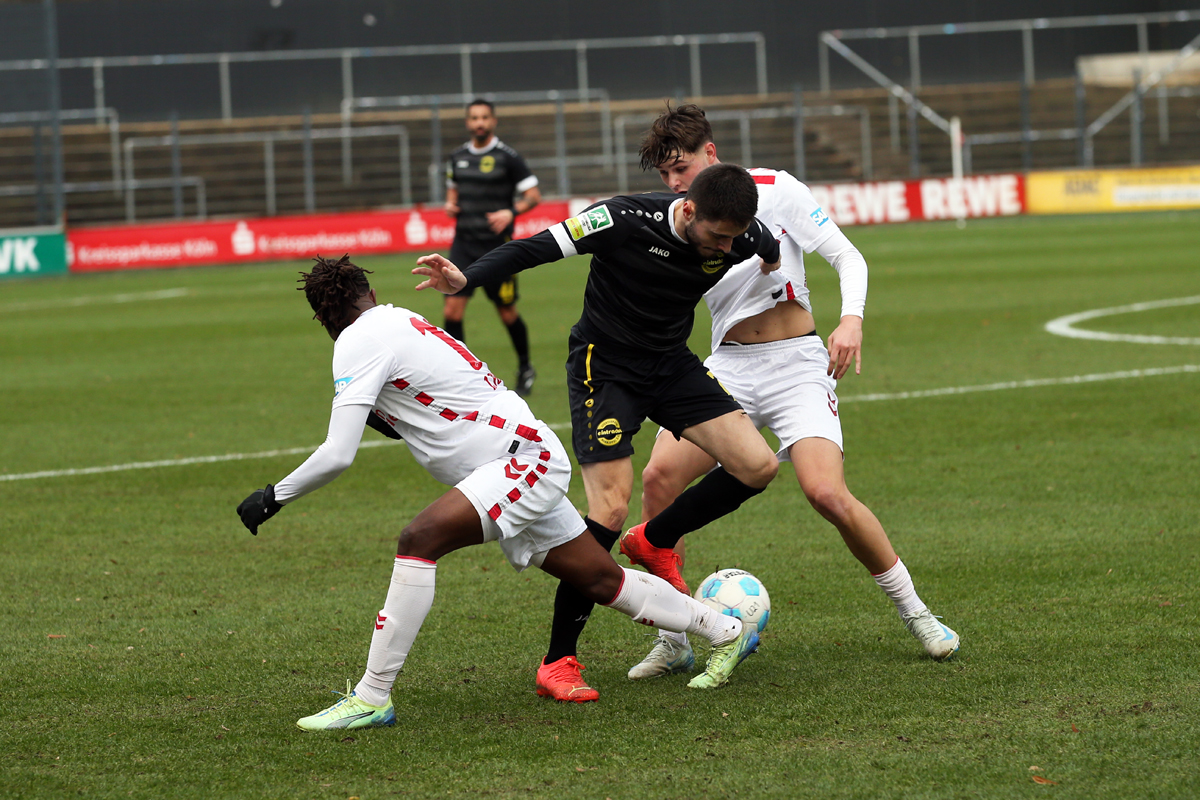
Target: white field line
[95,300]
[1064,326]
[563,426]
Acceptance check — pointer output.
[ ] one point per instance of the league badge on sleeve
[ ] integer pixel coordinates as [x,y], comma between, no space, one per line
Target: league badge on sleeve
[820,217]
[341,383]
[589,222]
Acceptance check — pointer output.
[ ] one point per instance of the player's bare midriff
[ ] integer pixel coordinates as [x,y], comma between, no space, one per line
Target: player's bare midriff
[786,320]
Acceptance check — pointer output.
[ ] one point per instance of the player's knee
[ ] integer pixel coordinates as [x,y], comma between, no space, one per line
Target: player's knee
[601,585]
[760,472]
[831,501]
[660,485]
[418,541]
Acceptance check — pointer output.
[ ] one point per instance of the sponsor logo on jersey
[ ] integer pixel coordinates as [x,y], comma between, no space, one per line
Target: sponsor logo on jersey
[487,164]
[609,432]
[713,265]
[658,251]
[463,164]
[341,383]
[820,217]
[589,222]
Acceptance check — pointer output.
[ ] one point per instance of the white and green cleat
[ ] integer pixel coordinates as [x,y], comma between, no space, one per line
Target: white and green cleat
[723,660]
[349,713]
[667,657]
[939,641]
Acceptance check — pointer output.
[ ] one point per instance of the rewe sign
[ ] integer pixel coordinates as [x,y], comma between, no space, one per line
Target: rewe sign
[33,251]
[932,199]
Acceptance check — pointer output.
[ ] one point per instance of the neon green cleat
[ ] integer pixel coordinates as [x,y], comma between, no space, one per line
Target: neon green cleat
[349,713]
[723,660]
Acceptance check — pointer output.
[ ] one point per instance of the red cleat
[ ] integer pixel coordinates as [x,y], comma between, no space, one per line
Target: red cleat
[660,561]
[562,681]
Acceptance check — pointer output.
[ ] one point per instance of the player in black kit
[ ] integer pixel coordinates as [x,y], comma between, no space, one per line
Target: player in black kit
[482,177]
[653,258]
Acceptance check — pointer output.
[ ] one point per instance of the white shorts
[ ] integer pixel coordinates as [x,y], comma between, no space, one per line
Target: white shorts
[784,387]
[521,500]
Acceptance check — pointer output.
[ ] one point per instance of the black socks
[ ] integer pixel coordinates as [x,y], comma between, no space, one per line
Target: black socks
[455,329]
[716,495]
[520,339]
[571,608]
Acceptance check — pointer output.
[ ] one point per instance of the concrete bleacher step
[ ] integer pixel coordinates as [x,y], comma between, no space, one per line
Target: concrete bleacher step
[235,174]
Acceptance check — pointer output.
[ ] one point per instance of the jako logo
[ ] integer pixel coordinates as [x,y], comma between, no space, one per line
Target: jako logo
[17,255]
[658,251]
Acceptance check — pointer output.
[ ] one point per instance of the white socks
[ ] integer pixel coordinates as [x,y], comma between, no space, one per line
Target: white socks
[409,599]
[652,601]
[899,586]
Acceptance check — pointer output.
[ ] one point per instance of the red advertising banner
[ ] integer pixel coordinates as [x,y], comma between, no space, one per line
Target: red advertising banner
[420,229]
[930,199]
[276,238]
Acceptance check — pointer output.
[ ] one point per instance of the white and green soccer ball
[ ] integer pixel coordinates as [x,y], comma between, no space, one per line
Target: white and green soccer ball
[737,593]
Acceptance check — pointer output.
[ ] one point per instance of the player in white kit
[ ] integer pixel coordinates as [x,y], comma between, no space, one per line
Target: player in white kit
[409,379]
[766,352]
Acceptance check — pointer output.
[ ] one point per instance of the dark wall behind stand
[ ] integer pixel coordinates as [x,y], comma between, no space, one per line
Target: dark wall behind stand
[134,27]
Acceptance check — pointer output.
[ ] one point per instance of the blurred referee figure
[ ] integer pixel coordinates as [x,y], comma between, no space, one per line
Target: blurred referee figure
[482,178]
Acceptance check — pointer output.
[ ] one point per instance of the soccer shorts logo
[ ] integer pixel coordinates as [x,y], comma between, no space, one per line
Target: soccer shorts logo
[609,432]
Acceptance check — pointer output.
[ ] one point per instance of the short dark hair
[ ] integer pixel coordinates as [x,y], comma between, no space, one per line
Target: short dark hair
[332,289]
[479,101]
[676,132]
[726,193]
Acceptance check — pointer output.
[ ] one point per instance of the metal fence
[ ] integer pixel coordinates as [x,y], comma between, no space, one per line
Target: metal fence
[465,52]
[833,41]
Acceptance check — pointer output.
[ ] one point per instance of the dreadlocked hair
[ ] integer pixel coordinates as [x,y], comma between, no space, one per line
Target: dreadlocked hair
[332,288]
[677,132]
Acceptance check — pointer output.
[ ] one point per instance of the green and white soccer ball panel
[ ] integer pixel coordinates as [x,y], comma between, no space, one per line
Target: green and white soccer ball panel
[737,593]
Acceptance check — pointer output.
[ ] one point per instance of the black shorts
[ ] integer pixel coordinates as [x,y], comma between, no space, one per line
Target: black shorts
[613,389]
[464,253]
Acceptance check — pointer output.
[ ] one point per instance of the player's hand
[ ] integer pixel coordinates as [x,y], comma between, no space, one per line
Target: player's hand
[441,274]
[845,345]
[766,268]
[499,220]
[451,209]
[259,507]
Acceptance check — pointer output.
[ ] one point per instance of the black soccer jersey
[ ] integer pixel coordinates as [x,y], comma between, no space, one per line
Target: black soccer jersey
[645,279]
[486,180]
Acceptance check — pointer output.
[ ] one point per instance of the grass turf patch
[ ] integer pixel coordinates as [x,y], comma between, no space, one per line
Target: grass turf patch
[1053,527]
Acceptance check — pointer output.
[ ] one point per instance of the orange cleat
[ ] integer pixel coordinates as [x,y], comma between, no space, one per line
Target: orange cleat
[660,561]
[562,681]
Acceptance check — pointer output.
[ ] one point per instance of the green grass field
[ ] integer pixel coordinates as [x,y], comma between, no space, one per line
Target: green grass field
[152,648]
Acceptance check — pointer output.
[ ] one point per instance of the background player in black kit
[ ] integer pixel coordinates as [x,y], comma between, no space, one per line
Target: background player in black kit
[653,258]
[482,178]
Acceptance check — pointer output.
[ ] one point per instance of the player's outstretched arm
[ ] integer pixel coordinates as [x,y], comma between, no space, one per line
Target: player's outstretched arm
[440,273]
[332,458]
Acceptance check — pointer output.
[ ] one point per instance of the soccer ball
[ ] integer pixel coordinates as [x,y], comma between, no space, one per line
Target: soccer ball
[737,593]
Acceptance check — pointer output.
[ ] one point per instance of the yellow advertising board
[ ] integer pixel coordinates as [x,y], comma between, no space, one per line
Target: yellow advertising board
[1100,190]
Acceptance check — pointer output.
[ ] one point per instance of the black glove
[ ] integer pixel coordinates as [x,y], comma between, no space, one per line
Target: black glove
[259,507]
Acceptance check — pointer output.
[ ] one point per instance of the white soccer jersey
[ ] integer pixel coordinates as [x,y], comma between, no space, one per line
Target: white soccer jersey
[791,212]
[452,411]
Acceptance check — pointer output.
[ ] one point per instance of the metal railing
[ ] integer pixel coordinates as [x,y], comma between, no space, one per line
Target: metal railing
[465,52]
[106,116]
[797,112]
[193,181]
[435,103]
[268,140]
[1133,101]
[1026,27]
